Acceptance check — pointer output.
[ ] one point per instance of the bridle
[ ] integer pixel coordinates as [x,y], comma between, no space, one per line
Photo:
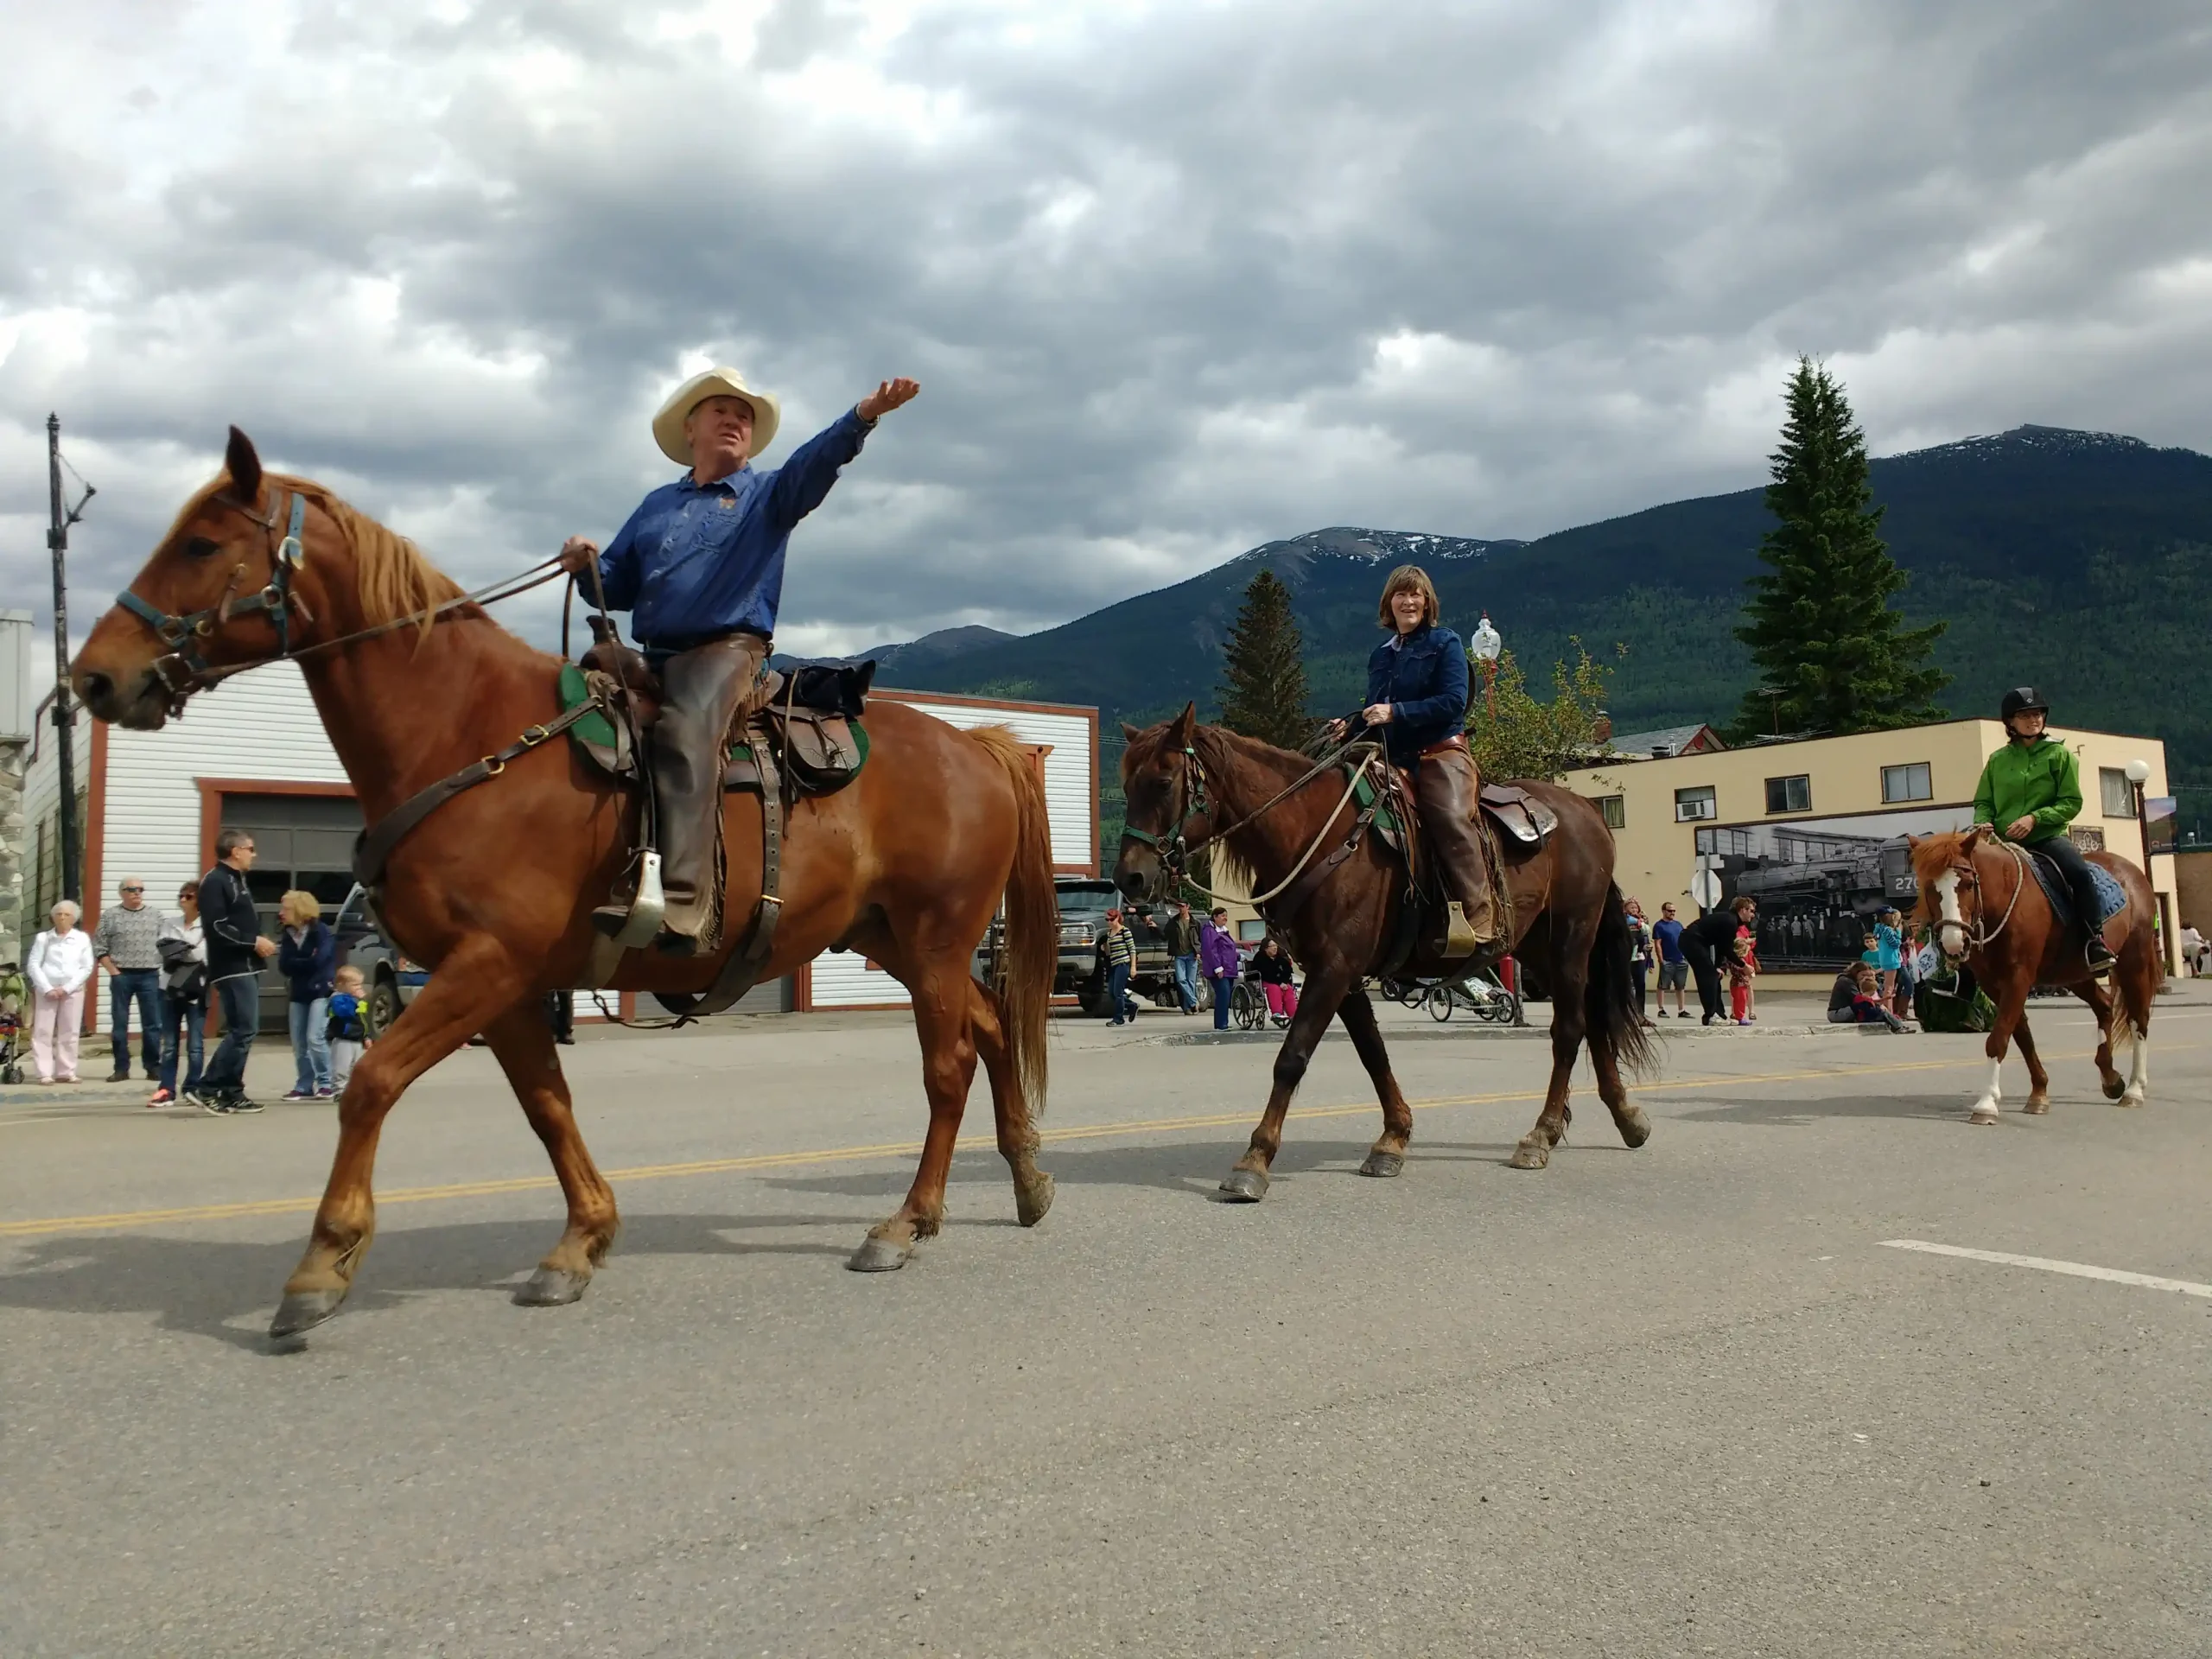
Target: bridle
[1976,936]
[1174,851]
[184,668]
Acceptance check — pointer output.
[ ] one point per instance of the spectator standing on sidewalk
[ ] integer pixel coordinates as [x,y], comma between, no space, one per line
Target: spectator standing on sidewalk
[1710,944]
[184,1000]
[308,957]
[1117,952]
[59,966]
[235,953]
[1639,951]
[1674,966]
[1217,955]
[1182,935]
[347,1031]
[127,943]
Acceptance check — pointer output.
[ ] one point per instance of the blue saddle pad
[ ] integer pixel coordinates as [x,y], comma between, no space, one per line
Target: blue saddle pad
[2112,897]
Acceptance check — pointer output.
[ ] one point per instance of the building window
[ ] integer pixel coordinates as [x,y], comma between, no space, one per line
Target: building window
[1789,794]
[1616,811]
[1909,783]
[2119,794]
[1692,805]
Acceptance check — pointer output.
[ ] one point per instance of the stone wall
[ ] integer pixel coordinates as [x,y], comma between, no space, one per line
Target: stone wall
[13,836]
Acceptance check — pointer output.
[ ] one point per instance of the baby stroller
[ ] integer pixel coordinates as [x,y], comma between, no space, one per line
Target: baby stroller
[15,995]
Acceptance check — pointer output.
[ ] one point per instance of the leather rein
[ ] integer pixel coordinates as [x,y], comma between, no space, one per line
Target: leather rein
[1174,851]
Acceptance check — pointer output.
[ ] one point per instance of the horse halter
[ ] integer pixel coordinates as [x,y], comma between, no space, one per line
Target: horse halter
[184,669]
[1978,935]
[1173,849]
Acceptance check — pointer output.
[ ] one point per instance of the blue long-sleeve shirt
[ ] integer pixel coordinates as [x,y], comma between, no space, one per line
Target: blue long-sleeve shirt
[696,561]
[1423,677]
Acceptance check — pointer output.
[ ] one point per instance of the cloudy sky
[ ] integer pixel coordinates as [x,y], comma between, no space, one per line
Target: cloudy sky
[1176,278]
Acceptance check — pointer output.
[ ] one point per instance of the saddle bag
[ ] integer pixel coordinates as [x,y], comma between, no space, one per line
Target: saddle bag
[821,753]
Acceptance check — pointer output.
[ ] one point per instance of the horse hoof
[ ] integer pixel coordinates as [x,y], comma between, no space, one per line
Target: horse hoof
[1244,1186]
[1529,1154]
[2037,1106]
[879,1256]
[1635,1126]
[551,1287]
[1382,1165]
[1983,1116]
[1031,1204]
[2130,1100]
[302,1311]
[2114,1088]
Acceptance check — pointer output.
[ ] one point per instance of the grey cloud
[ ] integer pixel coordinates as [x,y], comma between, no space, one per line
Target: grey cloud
[1176,281]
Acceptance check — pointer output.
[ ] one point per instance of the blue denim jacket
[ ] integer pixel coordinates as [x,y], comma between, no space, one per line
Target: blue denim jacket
[696,561]
[1423,677]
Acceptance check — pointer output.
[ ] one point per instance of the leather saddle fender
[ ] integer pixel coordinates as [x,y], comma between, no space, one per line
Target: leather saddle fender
[1519,814]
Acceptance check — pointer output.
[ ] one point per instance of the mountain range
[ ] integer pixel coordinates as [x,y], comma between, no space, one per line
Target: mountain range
[2080,561]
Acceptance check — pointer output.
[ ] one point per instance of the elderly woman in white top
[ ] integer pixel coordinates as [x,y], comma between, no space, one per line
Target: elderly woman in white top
[60,964]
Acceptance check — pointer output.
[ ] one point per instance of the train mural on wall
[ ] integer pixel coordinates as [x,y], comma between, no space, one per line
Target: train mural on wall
[1819,882]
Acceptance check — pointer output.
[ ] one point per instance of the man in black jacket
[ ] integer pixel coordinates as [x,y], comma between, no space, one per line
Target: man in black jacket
[1710,941]
[235,953]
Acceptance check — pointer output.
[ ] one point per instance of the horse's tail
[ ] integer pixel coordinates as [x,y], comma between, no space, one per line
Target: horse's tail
[1030,947]
[1609,1011]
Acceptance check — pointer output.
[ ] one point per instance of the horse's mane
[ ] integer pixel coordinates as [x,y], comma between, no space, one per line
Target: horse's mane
[393,580]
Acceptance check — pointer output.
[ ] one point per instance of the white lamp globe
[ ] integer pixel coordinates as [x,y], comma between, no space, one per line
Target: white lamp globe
[1485,644]
[2138,772]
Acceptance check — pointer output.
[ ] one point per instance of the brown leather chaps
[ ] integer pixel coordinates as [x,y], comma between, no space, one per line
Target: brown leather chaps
[705,690]
[1449,789]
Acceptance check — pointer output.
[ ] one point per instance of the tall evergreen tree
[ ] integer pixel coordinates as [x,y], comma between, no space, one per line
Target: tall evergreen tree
[1264,695]
[1833,655]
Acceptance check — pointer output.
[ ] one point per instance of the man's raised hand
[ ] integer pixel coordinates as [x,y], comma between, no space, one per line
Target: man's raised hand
[886,397]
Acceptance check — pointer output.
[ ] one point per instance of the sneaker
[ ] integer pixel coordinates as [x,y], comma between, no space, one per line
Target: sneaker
[298,1094]
[326,1094]
[123,1075]
[190,1097]
[161,1097]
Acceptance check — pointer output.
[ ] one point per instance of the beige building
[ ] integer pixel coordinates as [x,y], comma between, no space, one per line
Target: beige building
[1811,828]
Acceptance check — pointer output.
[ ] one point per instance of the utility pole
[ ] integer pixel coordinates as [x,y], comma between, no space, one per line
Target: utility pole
[65,713]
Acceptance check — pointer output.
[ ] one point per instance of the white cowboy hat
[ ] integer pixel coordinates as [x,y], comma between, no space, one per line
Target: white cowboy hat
[668,425]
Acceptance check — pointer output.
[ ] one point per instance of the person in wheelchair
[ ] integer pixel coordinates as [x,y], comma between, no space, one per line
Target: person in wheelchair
[700,568]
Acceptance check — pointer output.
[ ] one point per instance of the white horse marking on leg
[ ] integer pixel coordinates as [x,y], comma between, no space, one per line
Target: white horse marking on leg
[1985,1110]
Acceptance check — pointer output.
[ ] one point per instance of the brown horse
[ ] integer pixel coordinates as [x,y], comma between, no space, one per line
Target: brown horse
[494,891]
[1187,783]
[1989,912]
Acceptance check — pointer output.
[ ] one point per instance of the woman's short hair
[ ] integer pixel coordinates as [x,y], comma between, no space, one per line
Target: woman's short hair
[298,908]
[1408,577]
[69,904]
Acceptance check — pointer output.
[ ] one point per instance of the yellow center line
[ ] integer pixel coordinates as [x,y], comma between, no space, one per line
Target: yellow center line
[305,1205]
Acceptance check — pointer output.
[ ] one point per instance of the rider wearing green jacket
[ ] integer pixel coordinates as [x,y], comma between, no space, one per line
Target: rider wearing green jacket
[2030,790]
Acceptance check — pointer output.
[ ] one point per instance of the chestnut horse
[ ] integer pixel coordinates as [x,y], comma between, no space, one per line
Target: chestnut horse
[1187,784]
[494,890]
[1989,912]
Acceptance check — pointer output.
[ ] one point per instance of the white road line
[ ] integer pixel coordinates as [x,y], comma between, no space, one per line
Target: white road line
[2077,1269]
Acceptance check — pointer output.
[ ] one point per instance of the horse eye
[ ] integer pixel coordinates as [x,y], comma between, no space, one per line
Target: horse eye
[200,548]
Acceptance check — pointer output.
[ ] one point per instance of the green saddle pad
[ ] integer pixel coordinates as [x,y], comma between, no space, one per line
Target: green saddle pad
[1364,797]
[598,730]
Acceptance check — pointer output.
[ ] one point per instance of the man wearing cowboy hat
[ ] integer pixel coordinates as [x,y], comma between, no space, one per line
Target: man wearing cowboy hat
[700,568]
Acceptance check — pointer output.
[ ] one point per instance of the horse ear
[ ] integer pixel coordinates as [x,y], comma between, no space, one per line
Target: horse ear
[1185,723]
[1973,838]
[1129,734]
[243,465]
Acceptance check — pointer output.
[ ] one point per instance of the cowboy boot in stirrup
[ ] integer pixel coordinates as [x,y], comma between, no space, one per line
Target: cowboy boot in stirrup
[705,687]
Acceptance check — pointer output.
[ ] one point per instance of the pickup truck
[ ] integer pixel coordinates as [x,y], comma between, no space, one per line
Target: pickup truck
[1084,902]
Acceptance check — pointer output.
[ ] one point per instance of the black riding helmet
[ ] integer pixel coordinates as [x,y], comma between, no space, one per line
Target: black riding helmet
[2020,700]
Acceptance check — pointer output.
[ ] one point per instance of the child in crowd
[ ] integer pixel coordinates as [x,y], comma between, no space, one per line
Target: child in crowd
[348,1032]
[1741,972]
[1868,1005]
[1889,951]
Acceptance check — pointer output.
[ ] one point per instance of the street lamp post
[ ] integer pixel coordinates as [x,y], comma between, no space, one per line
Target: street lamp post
[1485,646]
[2138,773]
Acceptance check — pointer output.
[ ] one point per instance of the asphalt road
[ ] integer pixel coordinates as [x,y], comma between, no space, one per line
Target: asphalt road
[1679,1401]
